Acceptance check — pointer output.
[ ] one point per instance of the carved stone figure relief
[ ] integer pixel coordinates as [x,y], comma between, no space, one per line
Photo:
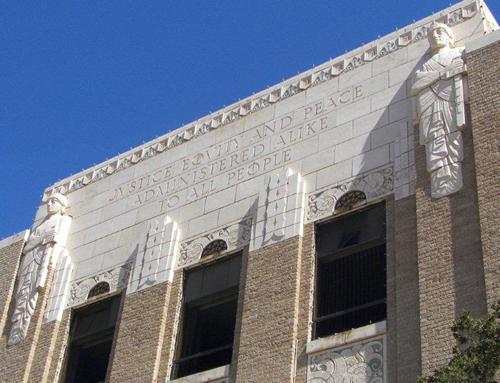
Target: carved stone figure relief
[46,243]
[322,204]
[117,278]
[439,90]
[359,363]
[157,254]
[236,236]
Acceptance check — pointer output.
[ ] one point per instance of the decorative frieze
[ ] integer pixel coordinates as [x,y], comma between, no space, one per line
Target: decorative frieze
[157,254]
[360,363]
[236,235]
[117,278]
[322,204]
[330,70]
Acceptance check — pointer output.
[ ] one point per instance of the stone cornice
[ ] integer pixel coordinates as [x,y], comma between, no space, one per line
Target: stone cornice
[368,53]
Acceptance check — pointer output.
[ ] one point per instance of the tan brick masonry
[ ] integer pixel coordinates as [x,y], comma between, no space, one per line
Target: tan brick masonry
[140,335]
[484,97]
[267,349]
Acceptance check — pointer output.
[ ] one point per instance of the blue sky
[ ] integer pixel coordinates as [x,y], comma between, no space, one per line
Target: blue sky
[82,81]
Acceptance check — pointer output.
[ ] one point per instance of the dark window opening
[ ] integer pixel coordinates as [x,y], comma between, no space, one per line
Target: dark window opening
[91,338]
[351,274]
[209,318]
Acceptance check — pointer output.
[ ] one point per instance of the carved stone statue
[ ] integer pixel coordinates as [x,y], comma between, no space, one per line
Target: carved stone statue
[440,112]
[44,246]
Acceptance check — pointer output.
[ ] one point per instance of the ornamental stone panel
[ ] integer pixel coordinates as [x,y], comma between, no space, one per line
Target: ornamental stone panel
[359,363]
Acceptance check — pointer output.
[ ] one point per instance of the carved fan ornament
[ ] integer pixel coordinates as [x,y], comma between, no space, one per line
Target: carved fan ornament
[234,236]
[349,200]
[99,289]
[116,279]
[373,185]
[214,247]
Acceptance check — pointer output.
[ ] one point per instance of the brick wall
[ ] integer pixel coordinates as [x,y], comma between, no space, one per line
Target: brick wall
[140,335]
[484,99]
[17,361]
[404,355]
[451,276]
[9,263]
[171,326]
[306,299]
[50,350]
[269,316]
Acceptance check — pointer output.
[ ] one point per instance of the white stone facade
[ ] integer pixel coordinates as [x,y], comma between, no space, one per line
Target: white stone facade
[252,173]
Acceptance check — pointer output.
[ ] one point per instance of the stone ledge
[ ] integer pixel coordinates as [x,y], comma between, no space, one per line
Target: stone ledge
[483,41]
[215,375]
[346,337]
[21,236]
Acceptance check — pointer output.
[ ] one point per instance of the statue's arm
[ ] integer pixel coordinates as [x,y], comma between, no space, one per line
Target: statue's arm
[456,67]
[424,79]
[34,240]
[62,230]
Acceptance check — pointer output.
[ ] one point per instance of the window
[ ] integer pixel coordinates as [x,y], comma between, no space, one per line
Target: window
[209,317]
[91,337]
[351,271]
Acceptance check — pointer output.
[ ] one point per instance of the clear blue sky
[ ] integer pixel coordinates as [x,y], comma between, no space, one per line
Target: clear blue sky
[81,81]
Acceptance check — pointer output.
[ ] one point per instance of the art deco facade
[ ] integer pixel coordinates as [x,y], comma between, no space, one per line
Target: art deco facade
[328,229]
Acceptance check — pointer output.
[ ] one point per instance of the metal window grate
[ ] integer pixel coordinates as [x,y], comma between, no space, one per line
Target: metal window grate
[351,275]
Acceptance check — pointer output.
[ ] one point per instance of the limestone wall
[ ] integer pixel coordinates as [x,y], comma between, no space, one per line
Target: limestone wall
[259,175]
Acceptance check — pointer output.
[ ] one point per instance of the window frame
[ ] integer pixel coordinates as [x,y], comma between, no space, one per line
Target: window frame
[343,253]
[214,299]
[75,343]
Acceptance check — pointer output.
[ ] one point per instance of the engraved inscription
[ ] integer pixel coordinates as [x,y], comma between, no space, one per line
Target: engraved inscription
[261,149]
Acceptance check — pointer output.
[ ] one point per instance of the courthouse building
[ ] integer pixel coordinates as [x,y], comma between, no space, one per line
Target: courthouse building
[327,229]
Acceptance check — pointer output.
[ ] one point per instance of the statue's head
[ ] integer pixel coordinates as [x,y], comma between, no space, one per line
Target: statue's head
[440,36]
[56,203]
